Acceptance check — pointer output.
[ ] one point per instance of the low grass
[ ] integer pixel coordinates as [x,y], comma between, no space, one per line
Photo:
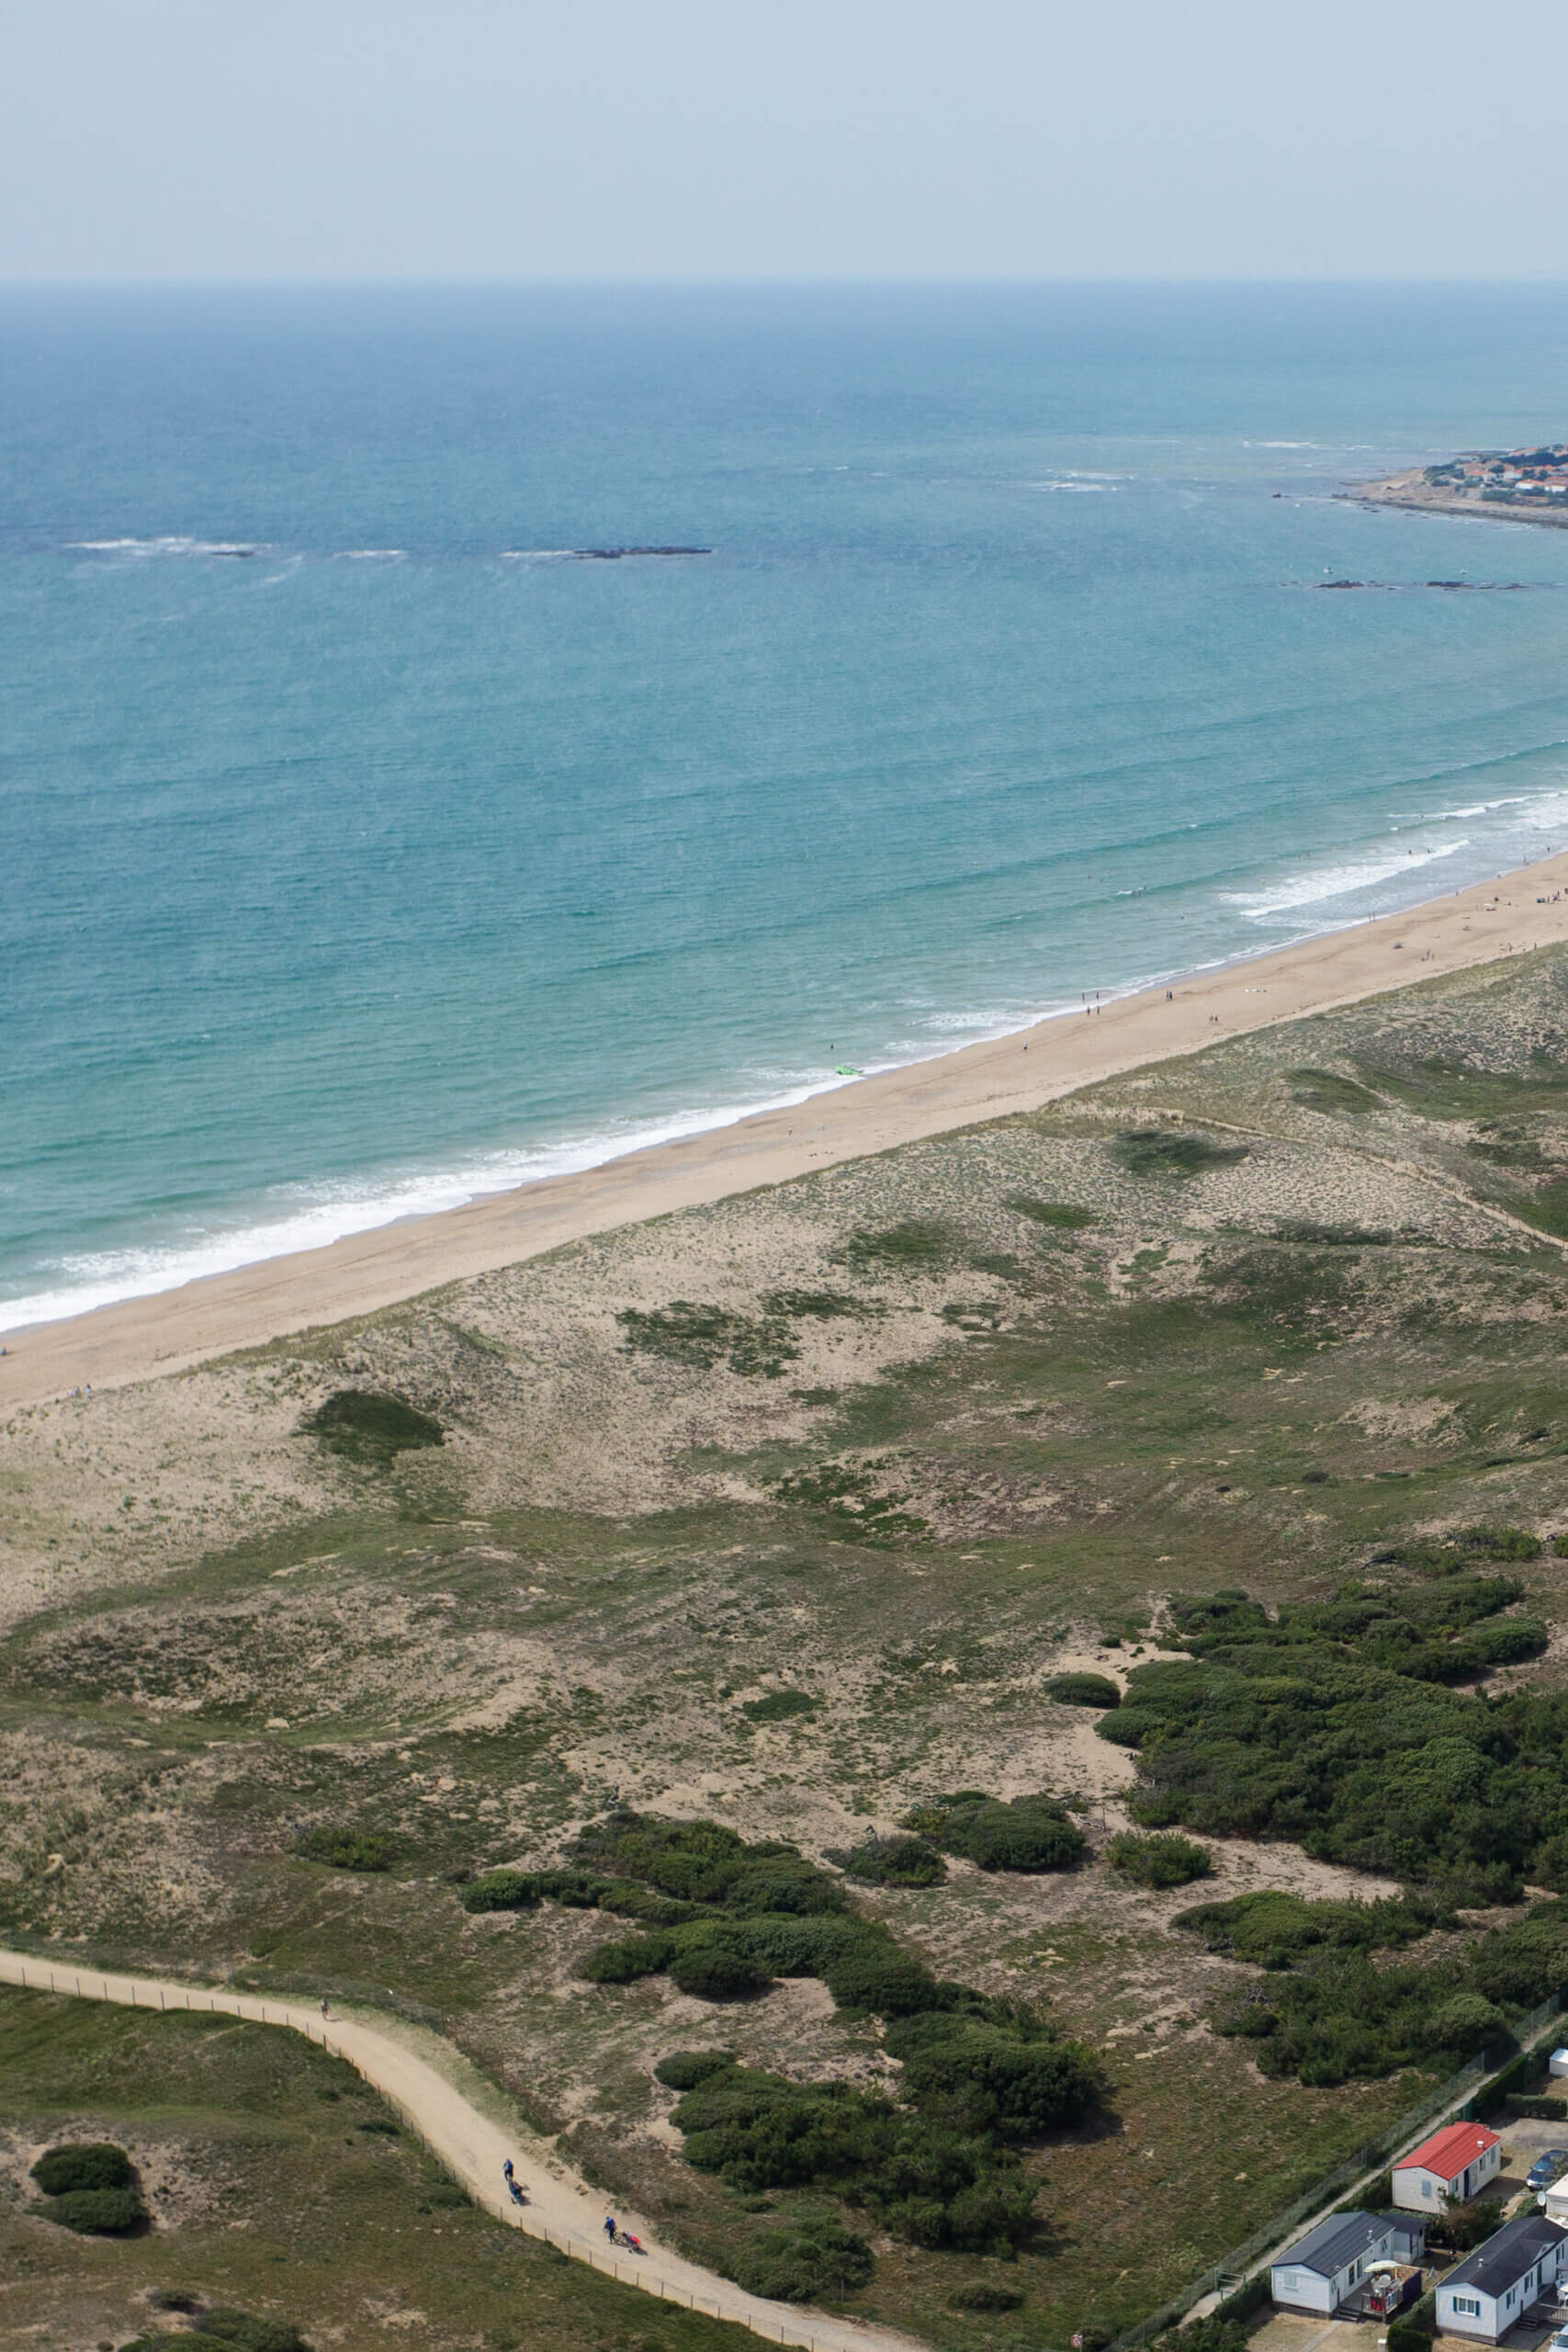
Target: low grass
[287,2206]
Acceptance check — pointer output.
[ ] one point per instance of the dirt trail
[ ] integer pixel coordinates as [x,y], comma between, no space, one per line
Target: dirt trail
[406,2069]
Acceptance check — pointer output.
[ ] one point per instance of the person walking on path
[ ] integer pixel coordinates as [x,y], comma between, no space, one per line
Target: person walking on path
[610,2227]
[324,2004]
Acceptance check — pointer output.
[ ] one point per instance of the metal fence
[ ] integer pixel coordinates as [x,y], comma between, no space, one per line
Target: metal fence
[341,1988]
[1458,2095]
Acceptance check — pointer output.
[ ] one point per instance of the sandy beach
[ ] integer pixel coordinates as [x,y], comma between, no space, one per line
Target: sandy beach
[251,1304]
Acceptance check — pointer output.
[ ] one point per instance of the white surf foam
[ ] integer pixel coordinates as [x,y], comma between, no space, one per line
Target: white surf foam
[169,547]
[1316,887]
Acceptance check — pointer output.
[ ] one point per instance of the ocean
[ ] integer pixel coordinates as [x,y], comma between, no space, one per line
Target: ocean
[368,844]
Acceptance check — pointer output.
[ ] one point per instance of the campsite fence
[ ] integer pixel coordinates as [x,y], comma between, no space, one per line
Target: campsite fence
[1460,2095]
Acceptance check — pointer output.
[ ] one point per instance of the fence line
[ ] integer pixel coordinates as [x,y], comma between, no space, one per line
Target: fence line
[1458,2092]
[575,2248]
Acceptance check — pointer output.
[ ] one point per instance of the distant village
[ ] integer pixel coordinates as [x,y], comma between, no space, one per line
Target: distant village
[1516,485]
[1505,477]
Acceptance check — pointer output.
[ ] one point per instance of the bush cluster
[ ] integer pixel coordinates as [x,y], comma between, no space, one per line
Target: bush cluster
[371,1426]
[90,2185]
[345,1849]
[926,2184]
[84,2163]
[682,2070]
[1029,1834]
[980,2073]
[228,2330]
[978,2076]
[898,1861]
[702,1861]
[1163,1860]
[810,2260]
[1084,1690]
[1333,1725]
[1330,2011]
[981,2296]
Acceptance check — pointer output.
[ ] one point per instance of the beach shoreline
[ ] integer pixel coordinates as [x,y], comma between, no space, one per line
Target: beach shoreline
[167,1331]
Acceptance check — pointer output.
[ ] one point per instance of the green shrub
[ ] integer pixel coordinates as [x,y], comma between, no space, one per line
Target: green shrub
[1030,1834]
[1165,1151]
[695,1861]
[1061,1214]
[501,1891]
[898,1861]
[1509,1641]
[345,1849]
[574,1890]
[1330,1724]
[780,1706]
[710,1970]
[371,1426]
[980,2080]
[979,2296]
[931,2186]
[1160,1860]
[84,2163]
[1083,1691]
[920,1244]
[96,2212]
[236,2331]
[786,1946]
[1463,2227]
[629,1901]
[1218,2333]
[874,1973]
[1128,1728]
[682,2070]
[624,1962]
[806,2262]
[783,1883]
[1545,2110]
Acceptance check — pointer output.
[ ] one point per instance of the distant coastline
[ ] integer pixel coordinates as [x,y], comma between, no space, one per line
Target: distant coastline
[1514,485]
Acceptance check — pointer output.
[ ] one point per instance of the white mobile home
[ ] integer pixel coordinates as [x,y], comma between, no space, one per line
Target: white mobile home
[1494,2286]
[1326,2267]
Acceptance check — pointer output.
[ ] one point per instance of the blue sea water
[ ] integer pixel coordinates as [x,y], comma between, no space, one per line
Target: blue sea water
[363,848]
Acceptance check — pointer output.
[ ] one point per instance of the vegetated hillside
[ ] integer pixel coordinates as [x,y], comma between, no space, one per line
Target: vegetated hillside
[815,1515]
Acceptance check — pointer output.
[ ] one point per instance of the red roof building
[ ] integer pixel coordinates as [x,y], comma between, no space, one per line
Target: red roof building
[1453,2164]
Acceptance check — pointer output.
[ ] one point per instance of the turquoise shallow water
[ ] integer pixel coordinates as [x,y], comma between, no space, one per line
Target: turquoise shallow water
[403,856]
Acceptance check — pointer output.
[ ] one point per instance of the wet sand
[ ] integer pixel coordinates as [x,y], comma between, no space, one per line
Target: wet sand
[251,1304]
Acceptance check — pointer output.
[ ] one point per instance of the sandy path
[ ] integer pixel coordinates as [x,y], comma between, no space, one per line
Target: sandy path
[368,1271]
[406,2069]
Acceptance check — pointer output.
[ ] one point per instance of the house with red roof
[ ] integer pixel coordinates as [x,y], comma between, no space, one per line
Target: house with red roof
[1454,2162]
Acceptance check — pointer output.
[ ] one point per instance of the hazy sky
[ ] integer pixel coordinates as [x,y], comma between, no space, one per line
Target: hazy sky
[805,138]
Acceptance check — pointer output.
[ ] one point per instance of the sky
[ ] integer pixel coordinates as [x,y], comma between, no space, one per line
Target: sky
[800,140]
